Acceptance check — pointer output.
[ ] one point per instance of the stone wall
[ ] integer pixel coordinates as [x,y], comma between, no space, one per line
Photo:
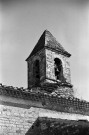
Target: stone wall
[17,121]
[50,56]
[46,58]
[41,57]
[50,73]
[64,92]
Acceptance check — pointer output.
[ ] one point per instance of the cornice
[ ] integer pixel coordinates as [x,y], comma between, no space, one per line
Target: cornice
[54,102]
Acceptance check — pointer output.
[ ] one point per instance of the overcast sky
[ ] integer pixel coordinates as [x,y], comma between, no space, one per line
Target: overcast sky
[23,22]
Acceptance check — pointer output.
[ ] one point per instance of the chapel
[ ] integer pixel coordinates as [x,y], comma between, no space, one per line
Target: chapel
[48,106]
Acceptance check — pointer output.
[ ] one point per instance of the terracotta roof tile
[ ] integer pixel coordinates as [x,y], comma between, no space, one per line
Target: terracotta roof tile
[53,102]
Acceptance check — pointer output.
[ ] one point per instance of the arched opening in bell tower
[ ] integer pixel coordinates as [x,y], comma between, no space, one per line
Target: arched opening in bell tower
[58,69]
[36,72]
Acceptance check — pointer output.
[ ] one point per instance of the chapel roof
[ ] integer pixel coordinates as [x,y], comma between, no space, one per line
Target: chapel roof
[53,126]
[48,100]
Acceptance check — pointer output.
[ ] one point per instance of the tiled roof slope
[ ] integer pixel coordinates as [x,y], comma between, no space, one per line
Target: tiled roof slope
[51,43]
[50,126]
[49,101]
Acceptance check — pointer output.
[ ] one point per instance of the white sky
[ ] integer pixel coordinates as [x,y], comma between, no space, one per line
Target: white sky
[23,22]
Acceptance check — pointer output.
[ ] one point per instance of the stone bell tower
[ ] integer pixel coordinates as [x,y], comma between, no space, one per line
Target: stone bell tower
[48,63]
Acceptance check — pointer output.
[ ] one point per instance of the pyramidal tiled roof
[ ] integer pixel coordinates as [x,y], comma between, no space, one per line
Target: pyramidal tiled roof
[49,41]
